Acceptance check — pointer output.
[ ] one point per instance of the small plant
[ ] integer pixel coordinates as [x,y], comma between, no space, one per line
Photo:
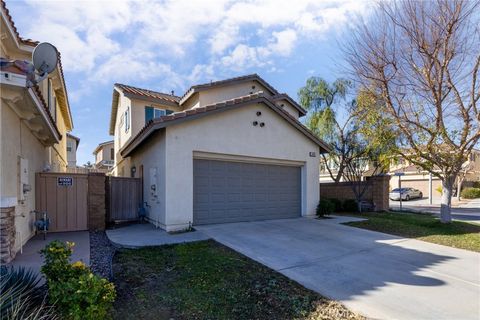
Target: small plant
[470,193]
[350,205]
[20,297]
[325,207]
[75,290]
[337,203]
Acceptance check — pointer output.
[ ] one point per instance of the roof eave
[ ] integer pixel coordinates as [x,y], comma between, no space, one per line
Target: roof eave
[156,125]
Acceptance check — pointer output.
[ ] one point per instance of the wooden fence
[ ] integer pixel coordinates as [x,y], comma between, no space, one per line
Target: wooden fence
[124,198]
[64,196]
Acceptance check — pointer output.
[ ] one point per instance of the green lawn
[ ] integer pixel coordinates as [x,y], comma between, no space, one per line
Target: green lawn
[205,280]
[423,227]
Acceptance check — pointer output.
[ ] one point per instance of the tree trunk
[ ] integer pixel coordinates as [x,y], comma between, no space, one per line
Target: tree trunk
[459,188]
[445,208]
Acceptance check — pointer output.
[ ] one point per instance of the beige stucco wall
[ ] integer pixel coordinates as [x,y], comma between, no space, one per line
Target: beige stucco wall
[72,155]
[152,156]
[287,106]
[418,181]
[232,133]
[18,141]
[137,122]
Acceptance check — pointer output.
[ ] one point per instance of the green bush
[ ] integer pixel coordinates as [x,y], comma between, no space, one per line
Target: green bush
[337,203]
[470,193]
[325,207]
[76,292]
[350,205]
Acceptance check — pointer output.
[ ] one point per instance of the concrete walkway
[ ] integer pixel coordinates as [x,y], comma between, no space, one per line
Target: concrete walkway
[378,275]
[31,258]
[141,235]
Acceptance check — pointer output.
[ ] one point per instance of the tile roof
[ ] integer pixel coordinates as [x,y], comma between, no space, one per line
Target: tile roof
[191,114]
[250,77]
[284,96]
[28,42]
[147,93]
[33,43]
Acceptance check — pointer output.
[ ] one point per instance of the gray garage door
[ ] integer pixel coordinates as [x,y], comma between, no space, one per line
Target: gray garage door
[233,191]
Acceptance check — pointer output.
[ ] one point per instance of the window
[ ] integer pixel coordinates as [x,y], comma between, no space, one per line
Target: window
[127,119]
[69,146]
[112,154]
[51,101]
[152,113]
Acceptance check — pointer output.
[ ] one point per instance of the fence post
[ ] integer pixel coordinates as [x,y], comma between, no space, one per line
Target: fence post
[96,201]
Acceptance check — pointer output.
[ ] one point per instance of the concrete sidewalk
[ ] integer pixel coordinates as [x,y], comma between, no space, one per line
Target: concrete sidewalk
[145,234]
[375,274]
[31,258]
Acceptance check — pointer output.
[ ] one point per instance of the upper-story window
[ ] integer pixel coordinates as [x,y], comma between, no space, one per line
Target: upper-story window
[69,146]
[127,119]
[152,113]
[112,154]
[52,102]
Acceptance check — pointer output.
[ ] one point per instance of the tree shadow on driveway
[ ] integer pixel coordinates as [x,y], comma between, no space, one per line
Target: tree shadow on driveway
[379,275]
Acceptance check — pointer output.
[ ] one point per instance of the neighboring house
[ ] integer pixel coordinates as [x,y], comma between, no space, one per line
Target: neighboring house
[418,178]
[104,156]
[34,124]
[226,151]
[324,173]
[72,146]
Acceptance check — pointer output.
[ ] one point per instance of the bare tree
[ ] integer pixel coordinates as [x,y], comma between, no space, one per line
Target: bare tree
[422,59]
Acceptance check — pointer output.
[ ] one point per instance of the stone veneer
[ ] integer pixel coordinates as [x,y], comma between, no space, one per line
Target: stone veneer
[7,234]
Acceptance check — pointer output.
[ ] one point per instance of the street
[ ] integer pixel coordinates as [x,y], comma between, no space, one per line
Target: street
[466,210]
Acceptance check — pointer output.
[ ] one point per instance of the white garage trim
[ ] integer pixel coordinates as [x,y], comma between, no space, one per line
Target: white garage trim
[243,158]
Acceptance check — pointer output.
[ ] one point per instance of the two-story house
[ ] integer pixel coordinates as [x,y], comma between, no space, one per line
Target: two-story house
[34,123]
[104,155]
[72,146]
[429,184]
[224,151]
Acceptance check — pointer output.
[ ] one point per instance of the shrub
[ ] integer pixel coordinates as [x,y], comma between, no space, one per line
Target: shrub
[337,203]
[350,205]
[75,290]
[470,193]
[325,207]
[20,297]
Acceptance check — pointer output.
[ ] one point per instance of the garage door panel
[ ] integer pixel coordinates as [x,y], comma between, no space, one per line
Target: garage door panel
[234,191]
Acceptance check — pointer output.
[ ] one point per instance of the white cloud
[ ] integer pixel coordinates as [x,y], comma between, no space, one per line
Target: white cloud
[128,40]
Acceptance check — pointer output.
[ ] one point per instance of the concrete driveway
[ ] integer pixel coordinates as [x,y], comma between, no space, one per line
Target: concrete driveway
[375,274]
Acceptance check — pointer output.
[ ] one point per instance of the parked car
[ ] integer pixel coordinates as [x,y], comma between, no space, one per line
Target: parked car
[405,193]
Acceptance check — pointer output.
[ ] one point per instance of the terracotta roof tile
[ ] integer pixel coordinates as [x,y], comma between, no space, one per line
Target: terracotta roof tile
[29,42]
[147,93]
[217,106]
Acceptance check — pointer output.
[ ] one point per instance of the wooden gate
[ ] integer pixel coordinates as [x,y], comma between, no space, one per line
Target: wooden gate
[64,197]
[125,198]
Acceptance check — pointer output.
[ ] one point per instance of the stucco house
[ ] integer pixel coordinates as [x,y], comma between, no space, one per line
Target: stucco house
[225,151]
[72,146]
[104,156]
[418,178]
[34,124]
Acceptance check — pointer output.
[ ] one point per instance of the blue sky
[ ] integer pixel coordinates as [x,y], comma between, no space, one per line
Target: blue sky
[171,45]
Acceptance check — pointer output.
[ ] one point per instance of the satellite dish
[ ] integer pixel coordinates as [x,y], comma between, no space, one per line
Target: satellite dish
[45,58]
